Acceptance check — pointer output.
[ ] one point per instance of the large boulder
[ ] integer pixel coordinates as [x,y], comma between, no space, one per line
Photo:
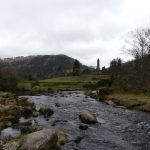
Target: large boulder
[42,140]
[46,139]
[87,117]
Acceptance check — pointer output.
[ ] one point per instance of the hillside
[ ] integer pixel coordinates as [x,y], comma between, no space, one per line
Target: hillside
[42,66]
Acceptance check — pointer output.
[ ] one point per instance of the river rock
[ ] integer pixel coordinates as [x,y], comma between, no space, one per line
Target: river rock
[35,114]
[111,103]
[42,140]
[57,105]
[46,112]
[83,127]
[87,117]
[122,107]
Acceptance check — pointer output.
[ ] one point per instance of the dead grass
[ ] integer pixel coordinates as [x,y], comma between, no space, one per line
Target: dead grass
[132,101]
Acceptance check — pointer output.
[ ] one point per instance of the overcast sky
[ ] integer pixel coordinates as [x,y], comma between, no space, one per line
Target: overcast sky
[83,29]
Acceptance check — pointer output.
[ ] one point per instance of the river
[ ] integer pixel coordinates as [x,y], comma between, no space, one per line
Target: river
[118,129]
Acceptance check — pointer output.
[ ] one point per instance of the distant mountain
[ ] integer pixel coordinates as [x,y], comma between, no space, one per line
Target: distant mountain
[43,66]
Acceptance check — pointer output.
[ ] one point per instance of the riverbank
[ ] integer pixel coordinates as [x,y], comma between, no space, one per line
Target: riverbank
[12,108]
[140,102]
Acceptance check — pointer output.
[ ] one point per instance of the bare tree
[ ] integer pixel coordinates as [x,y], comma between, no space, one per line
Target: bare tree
[139,45]
[147,34]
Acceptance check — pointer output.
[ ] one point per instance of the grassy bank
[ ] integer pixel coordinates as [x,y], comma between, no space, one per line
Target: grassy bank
[132,101]
[139,101]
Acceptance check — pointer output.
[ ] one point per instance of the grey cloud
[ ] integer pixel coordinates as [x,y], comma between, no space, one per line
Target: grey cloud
[84,29]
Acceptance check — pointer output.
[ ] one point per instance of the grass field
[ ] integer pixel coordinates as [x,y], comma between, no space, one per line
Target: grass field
[62,83]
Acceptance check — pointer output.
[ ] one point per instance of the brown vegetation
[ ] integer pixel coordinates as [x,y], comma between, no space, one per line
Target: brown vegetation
[12,108]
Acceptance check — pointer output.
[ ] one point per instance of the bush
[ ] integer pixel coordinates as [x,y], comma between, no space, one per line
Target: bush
[34,83]
[27,112]
[104,83]
[1,145]
[103,92]
[27,129]
[8,80]
[101,83]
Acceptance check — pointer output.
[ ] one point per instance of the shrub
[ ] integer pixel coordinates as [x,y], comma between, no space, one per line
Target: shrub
[27,112]
[104,83]
[39,89]
[27,129]
[1,145]
[103,92]
[101,83]
[34,83]
[8,80]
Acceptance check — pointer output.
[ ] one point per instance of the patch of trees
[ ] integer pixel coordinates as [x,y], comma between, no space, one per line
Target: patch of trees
[134,75]
[8,79]
[76,68]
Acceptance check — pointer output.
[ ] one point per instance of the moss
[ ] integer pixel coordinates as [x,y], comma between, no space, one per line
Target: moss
[62,138]
[27,129]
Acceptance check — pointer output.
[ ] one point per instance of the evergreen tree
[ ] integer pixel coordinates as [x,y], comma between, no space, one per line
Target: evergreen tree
[76,68]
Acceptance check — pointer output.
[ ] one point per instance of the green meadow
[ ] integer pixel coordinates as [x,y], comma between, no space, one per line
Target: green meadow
[61,83]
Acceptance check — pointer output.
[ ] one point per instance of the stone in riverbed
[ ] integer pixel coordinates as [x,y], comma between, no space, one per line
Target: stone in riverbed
[46,112]
[83,127]
[122,107]
[46,139]
[42,140]
[87,117]
[110,103]
[35,114]
[78,139]
[57,105]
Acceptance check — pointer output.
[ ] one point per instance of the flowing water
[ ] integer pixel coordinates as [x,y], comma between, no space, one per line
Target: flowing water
[118,129]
